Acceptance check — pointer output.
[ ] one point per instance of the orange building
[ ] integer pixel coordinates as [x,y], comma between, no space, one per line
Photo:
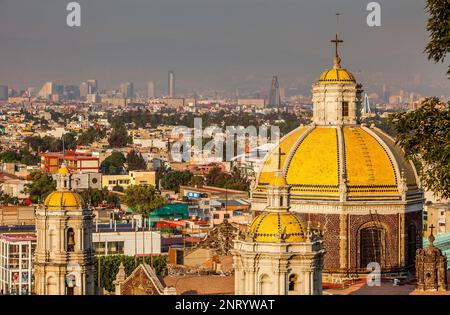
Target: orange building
[75,162]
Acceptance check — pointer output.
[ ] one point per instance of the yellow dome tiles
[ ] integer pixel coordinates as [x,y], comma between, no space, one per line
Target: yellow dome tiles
[63,200]
[369,168]
[274,227]
[315,162]
[336,76]
[63,170]
[271,163]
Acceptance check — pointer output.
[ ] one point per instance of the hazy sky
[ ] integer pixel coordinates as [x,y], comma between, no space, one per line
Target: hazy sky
[219,44]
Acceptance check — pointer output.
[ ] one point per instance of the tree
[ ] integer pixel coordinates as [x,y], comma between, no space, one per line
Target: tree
[109,267]
[91,135]
[198,181]
[135,161]
[113,164]
[40,187]
[96,197]
[119,136]
[235,180]
[9,156]
[439,28]
[173,179]
[143,200]
[424,135]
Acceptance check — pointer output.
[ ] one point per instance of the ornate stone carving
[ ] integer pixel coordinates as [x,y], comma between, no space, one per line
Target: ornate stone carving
[431,268]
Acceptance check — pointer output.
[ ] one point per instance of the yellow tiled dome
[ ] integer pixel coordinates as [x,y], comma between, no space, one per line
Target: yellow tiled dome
[278,180]
[63,200]
[63,170]
[336,76]
[276,227]
[373,164]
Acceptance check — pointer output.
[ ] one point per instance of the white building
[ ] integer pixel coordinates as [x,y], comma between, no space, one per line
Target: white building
[16,263]
[111,240]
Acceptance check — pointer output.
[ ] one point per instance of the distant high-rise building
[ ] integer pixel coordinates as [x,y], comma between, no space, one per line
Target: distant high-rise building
[88,87]
[84,90]
[385,94]
[366,105]
[127,90]
[3,92]
[151,89]
[48,89]
[274,96]
[93,86]
[71,92]
[171,84]
[31,91]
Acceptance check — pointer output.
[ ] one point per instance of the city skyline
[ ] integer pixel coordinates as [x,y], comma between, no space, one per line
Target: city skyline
[118,43]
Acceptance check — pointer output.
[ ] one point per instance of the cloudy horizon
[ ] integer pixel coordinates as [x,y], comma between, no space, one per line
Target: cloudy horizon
[214,44]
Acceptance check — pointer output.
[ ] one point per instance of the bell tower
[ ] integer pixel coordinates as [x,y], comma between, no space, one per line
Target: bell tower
[64,261]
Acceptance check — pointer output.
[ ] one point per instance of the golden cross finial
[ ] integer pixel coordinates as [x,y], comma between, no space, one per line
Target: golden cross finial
[337,59]
[279,154]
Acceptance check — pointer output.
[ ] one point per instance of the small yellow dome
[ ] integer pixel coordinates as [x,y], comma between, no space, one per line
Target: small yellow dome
[278,180]
[63,170]
[336,76]
[63,200]
[277,227]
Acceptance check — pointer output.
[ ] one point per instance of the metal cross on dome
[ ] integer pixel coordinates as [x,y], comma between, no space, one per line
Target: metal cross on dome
[279,154]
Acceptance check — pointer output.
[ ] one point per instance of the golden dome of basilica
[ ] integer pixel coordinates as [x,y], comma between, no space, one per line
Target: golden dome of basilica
[315,156]
[277,227]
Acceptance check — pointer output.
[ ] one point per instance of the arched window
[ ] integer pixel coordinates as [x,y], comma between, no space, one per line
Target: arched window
[70,240]
[344,109]
[412,244]
[371,241]
[265,285]
[293,280]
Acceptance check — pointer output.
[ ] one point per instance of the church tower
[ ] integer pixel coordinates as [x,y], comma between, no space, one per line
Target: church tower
[279,254]
[64,254]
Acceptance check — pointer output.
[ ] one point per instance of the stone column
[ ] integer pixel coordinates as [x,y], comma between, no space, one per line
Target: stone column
[343,246]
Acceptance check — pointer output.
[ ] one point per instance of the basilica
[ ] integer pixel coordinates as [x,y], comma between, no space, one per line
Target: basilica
[348,178]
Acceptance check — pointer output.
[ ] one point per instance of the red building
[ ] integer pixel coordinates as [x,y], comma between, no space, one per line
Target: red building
[75,161]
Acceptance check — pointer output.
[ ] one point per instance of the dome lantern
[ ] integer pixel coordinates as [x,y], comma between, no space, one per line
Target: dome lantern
[336,95]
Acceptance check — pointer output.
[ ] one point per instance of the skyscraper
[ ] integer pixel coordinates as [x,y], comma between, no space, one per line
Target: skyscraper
[93,86]
[366,105]
[274,96]
[84,90]
[127,89]
[3,92]
[47,90]
[151,89]
[171,84]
